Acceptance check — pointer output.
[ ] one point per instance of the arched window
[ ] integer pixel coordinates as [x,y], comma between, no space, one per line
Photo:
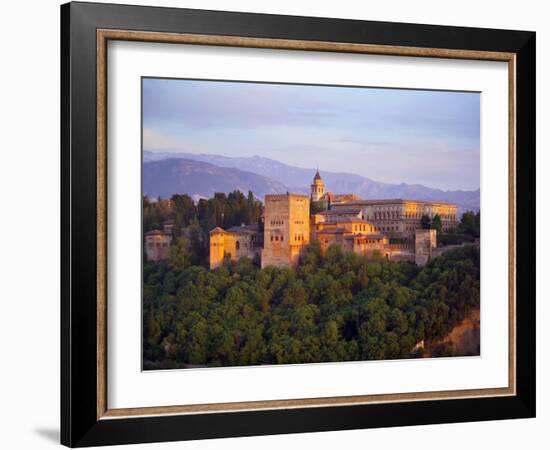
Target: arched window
[238,245]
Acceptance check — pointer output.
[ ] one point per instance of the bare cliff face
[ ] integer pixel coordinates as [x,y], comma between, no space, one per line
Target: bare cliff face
[463,340]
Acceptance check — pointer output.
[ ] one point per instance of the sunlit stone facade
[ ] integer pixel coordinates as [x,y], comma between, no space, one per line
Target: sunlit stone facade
[286,229]
[235,243]
[317,188]
[400,218]
[360,226]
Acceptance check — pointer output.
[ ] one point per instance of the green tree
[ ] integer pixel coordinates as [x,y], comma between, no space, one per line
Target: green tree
[315,207]
[470,223]
[333,307]
[179,255]
[425,222]
[436,223]
[199,243]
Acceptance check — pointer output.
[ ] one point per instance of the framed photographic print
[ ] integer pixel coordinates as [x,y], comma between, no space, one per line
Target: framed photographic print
[277,224]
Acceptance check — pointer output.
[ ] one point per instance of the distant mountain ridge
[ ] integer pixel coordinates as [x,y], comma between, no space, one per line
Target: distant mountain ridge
[198,179]
[279,177]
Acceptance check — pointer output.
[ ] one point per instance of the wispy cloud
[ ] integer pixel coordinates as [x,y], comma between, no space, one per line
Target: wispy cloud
[392,135]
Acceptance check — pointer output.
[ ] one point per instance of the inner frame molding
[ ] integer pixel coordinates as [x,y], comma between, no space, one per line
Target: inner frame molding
[105,35]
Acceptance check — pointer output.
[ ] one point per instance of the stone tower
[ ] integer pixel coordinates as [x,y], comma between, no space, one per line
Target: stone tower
[425,242]
[317,188]
[286,229]
[217,247]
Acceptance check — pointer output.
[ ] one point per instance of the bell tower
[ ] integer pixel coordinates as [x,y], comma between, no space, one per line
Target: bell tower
[317,188]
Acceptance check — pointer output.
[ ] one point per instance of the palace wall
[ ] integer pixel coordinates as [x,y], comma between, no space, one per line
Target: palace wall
[400,218]
[234,244]
[363,227]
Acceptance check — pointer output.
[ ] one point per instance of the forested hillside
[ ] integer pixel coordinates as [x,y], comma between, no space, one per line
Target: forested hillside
[340,307]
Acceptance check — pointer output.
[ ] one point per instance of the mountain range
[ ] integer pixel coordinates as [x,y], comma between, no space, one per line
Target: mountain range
[200,175]
[198,179]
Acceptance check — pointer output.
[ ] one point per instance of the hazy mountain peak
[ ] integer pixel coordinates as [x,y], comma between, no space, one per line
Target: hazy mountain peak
[265,175]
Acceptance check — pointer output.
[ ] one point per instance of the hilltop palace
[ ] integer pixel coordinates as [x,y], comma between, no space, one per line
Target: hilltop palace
[361,226]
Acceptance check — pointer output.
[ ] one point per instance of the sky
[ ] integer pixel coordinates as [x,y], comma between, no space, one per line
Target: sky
[389,135]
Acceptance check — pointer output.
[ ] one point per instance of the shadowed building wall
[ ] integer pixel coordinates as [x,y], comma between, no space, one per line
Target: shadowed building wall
[157,244]
[424,245]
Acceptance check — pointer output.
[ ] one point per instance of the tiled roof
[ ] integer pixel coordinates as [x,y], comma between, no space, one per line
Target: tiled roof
[352,220]
[340,212]
[332,231]
[368,236]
